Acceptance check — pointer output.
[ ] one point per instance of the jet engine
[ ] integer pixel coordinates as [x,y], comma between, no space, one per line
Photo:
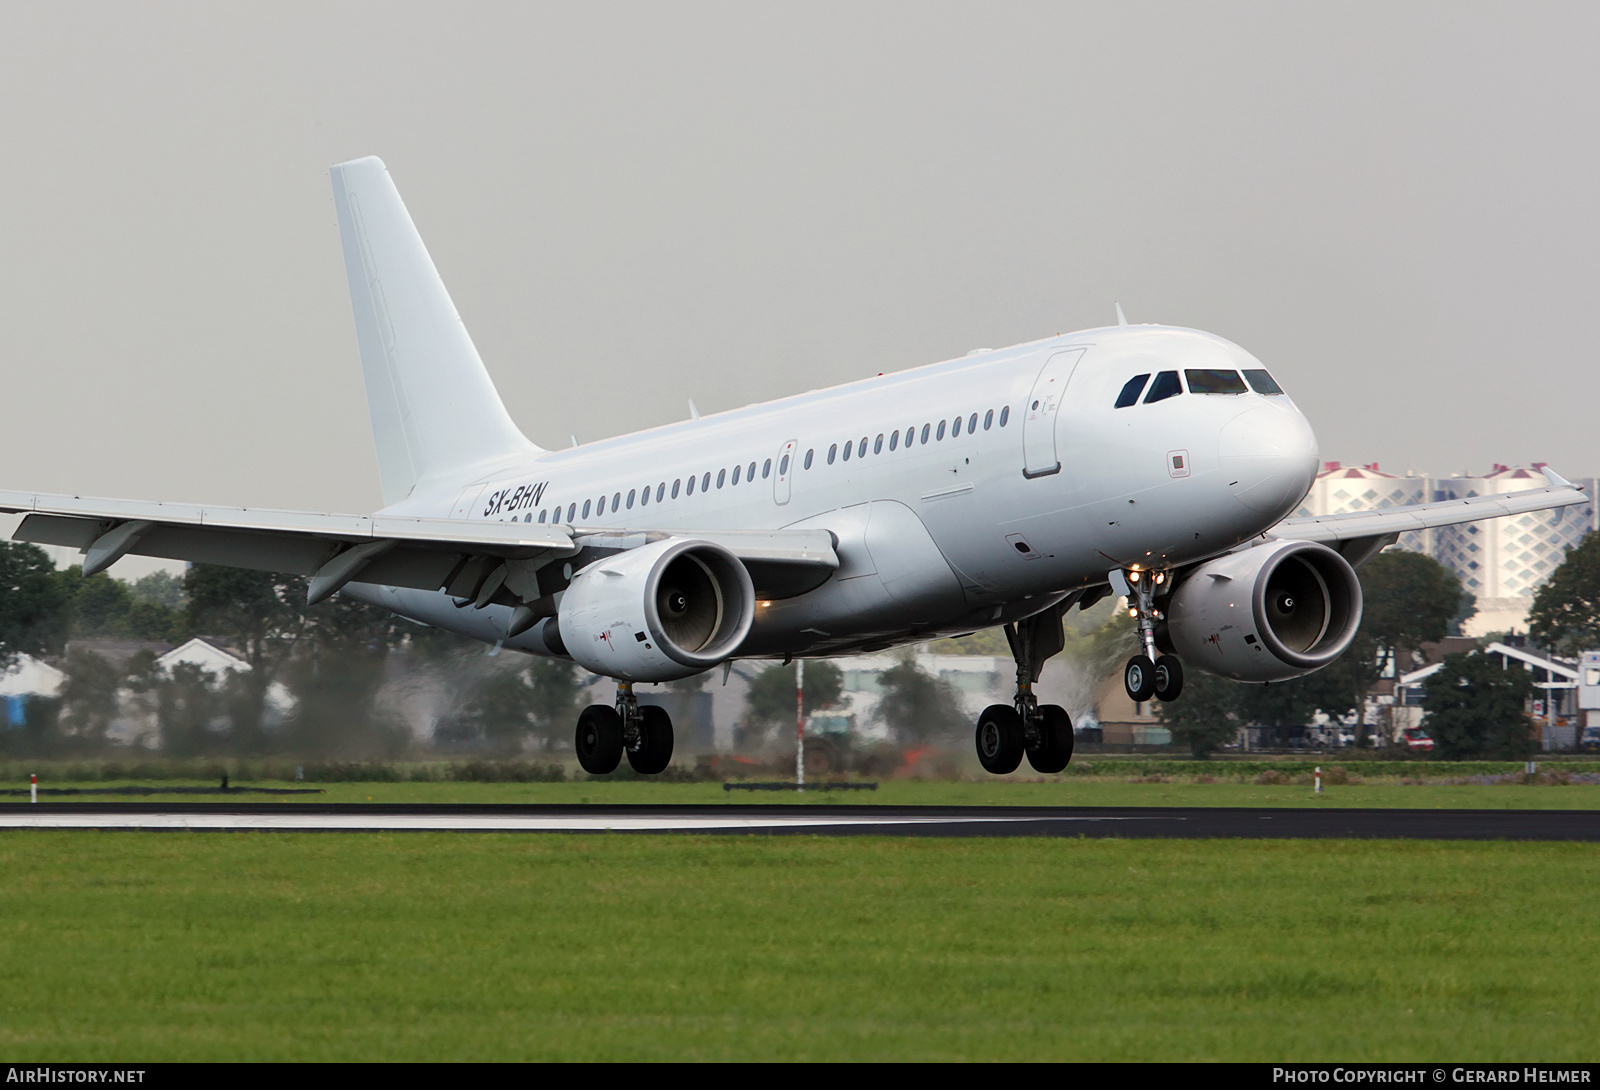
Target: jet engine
[1267,613]
[660,612]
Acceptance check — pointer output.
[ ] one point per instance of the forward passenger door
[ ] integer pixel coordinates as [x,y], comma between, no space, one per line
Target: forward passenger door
[1039,414]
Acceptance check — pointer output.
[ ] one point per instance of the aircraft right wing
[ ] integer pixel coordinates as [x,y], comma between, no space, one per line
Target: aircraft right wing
[1360,535]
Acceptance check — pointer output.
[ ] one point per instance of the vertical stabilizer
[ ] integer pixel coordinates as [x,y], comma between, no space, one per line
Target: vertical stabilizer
[435,413]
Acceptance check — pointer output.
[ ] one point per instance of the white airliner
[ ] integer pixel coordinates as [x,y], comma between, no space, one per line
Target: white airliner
[1002,488]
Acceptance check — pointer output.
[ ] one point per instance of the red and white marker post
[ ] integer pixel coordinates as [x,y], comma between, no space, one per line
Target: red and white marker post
[33,787]
[1319,780]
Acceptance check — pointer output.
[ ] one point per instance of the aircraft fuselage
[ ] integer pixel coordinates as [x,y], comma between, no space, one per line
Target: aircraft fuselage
[963,494]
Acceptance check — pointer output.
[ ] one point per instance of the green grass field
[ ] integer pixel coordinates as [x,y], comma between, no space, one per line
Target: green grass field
[177,946]
[1074,791]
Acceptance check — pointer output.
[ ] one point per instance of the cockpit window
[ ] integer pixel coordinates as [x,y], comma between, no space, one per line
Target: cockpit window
[1166,385]
[1130,392]
[1214,382]
[1262,383]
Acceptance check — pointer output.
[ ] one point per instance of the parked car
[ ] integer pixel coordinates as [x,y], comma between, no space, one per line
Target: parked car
[1418,741]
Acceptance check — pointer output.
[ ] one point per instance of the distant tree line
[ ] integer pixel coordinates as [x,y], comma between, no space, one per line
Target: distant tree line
[344,680]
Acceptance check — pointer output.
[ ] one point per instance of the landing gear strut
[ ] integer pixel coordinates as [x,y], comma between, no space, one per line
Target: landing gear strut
[1042,731]
[643,733]
[1148,674]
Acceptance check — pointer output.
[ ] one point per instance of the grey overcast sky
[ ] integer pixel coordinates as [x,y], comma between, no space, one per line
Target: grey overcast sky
[1392,204]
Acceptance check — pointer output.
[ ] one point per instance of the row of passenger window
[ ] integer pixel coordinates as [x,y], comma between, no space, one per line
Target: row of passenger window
[682,486]
[1200,380]
[685,486]
[930,434]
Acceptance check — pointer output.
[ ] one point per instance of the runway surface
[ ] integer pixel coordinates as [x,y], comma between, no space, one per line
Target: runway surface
[827,820]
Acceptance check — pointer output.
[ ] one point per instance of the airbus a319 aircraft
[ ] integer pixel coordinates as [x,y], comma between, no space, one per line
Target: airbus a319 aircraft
[1000,489]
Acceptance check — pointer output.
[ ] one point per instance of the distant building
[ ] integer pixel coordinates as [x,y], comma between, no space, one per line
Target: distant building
[1505,561]
[118,652]
[27,678]
[1502,562]
[207,654]
[1121,721]
[977,680]
[1554,714]
[1340,489]
[137,724]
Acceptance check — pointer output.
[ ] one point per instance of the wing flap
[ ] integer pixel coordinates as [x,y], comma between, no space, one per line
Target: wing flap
[295,555]
[73,533]
[423,569]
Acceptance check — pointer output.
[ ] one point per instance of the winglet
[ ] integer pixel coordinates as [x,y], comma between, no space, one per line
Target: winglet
[1556,480]
[1122,319]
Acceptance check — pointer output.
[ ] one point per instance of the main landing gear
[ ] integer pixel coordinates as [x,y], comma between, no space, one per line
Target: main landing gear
[643,733]
[1149,675]
[1041,731]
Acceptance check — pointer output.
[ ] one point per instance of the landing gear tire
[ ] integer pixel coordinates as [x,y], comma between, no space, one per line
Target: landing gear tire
[1054,748]
[1139,678]
[999,739]
[654,751]
[1168,677]
[599,740]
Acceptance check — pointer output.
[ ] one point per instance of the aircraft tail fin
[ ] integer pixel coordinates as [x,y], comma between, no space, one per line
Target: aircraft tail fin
[435,411]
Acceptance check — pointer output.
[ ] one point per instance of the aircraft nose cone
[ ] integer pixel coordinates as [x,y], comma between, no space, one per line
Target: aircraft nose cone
[1269,455]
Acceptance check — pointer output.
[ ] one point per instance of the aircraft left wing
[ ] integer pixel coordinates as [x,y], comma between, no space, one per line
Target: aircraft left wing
[425,553]
[469,559]
[1360,535]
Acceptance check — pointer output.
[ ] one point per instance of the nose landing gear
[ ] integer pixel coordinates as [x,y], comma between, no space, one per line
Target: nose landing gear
[643,733]
[1148,674]
[1041,731]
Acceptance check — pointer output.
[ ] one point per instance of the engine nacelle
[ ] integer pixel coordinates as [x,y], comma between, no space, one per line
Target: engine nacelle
[1269,613]
[660,612]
